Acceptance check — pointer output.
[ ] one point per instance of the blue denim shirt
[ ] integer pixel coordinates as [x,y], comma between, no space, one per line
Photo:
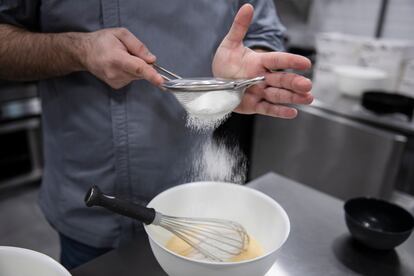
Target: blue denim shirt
[133,141]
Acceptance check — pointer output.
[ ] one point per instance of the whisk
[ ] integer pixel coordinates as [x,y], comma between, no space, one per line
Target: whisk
[215,239]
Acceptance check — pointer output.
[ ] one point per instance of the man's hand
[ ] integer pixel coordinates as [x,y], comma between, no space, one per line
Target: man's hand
[233,60]
[117,57]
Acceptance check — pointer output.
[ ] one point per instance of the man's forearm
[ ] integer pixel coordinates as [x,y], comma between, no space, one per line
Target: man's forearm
[28,56]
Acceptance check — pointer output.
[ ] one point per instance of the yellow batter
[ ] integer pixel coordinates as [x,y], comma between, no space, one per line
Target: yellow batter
[180,247]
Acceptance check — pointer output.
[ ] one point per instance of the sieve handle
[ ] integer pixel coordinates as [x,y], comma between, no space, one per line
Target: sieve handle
[95,197]
[249,82]
[162,69]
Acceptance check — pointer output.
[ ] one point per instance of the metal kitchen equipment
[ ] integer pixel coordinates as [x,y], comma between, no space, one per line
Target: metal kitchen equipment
[209,84]
[188,89]
[351,159]
[216,239]
[165,71]
[20,134]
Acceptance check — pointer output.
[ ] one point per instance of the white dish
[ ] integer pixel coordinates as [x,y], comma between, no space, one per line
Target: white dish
[15,261]
[354,80]
[262,217]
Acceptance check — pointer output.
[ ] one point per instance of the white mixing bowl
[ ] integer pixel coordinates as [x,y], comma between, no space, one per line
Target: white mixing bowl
[15,261]
[354,80]
[263,218]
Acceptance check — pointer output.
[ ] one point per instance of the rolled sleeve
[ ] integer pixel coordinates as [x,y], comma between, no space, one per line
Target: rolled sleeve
[266,30]
[21,13]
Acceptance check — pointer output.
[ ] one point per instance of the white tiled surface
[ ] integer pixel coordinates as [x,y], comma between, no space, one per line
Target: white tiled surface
[354,17]
[400,20]
[351,16]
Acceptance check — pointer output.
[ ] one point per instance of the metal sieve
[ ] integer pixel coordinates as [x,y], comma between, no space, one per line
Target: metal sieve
[188,89]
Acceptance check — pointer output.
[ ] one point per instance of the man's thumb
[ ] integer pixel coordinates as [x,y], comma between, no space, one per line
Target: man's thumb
[239,27]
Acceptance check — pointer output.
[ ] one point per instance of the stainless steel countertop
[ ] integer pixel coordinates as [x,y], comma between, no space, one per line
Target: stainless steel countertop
[319,243]
[331,100]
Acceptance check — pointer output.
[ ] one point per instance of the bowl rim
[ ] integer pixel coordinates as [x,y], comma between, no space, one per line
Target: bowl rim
[37,255]
[372,199]
[257,192]
[349,71]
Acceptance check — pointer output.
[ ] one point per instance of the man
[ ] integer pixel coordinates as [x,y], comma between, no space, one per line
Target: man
[102,126]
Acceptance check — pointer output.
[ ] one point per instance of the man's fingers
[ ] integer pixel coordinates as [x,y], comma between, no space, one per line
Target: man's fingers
[149,73]
[279,60]
[280,111]
[239,27]
[140,69]
[134,45]
[289,81]
[283,96]
[256,103]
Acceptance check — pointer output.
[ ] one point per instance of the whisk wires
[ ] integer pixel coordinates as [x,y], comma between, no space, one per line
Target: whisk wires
[216,239]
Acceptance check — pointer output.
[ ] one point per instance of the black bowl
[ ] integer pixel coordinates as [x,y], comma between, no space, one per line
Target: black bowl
[388,103]
[377,223]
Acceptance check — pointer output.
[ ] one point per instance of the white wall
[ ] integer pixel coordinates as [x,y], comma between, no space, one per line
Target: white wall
[356,17]
[399,21]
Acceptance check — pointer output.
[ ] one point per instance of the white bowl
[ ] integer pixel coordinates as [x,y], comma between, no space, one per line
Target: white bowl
[354,80]
[263,218]
[24,262]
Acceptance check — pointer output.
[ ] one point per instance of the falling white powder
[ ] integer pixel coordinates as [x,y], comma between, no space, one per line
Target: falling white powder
[219,162]
[203,123]
[214,160]
[211,109]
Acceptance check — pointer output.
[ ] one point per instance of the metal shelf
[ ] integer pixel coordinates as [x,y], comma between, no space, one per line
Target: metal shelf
[30,177]
[30,123]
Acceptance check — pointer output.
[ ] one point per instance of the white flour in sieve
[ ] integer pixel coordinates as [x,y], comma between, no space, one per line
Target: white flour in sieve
[211,109]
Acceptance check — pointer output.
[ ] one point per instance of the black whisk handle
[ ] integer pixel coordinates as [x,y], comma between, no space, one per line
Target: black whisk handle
[95,197]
